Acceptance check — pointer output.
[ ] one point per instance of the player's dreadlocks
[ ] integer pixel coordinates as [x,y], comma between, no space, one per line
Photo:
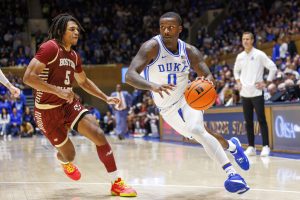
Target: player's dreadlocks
[59,25]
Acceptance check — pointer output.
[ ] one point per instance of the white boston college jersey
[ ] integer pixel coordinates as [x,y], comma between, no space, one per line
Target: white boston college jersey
[169,68]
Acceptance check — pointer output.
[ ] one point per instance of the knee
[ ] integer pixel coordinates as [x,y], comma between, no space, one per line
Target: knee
[197,130]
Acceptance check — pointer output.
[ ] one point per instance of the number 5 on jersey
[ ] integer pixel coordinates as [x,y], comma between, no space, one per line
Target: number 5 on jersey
[67,79]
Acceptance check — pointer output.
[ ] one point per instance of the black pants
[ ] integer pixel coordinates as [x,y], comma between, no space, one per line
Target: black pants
[258,104]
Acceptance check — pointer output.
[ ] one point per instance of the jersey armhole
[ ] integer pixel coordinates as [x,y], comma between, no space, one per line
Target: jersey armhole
[187,57]
[56,53]
[154,60]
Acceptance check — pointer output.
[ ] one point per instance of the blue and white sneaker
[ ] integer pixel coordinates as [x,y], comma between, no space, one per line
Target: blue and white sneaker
[236,184]
[239,155]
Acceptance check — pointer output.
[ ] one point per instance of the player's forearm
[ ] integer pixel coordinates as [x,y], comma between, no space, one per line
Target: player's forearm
[37,83]
[90,87]
[135,80]
[3,79]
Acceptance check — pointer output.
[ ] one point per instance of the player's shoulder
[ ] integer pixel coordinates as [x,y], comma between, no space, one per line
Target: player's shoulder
[150,48]
[50,44]
[192,51]
[151,44]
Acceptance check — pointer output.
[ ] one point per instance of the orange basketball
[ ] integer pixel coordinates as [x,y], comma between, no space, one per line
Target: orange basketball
[200,95]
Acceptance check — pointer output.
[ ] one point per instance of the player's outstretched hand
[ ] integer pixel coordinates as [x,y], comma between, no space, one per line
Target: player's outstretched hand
[112,100]
[15,92]
[162,88]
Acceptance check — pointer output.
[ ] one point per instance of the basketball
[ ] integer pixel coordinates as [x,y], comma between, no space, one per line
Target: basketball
[200,95]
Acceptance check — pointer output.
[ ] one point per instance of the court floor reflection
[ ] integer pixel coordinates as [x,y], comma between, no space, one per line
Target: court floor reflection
[29,170]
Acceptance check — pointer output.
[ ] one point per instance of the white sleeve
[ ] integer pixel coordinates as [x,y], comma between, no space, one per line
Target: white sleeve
[237,68]
[270,65]
[3,79]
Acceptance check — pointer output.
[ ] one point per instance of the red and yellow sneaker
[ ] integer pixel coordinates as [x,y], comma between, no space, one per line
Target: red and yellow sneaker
[71,171]
[119,188]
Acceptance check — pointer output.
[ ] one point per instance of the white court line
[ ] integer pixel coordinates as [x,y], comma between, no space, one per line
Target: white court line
[148,185]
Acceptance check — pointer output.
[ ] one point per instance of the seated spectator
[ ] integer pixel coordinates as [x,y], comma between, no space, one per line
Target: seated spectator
[15,123]
[152,120]
[292,92]
[26,129]
[109,123]
[96,113]
[19,105]
[291,74]
[4,122]
[271,89]
[28,117]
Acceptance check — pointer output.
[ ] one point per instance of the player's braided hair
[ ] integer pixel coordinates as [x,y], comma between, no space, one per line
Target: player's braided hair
[59,26]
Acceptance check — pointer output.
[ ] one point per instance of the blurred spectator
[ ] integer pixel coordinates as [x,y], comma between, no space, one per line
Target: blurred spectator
[109,123]
[121,111]
[292,48]
[4,122]
[96,113]
[15,123]
[28,117]
[26,129]
[152,120]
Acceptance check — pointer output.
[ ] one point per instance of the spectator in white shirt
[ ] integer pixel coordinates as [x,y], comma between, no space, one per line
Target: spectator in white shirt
[248,72]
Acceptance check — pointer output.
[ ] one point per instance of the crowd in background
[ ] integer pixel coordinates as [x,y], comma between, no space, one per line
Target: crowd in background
[114,33]
[16,118]
[13,19]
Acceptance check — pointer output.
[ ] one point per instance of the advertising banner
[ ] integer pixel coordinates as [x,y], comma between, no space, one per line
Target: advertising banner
[229,124]
[286,129]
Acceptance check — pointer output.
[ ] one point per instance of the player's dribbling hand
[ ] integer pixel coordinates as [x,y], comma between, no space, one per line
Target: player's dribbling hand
[205,80]
[162,88]
[112,100]
[15,92]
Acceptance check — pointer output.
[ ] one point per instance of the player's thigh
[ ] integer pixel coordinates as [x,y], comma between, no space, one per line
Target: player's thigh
[51,123]
[193,120]
[175,119]
[89,128]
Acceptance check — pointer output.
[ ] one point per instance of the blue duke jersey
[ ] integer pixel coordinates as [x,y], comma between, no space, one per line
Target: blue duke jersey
[169,68]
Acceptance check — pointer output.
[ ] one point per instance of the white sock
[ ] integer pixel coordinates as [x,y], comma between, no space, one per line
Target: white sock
[64,163]
[229,169]
[113,176]
[231,146]
[212,147]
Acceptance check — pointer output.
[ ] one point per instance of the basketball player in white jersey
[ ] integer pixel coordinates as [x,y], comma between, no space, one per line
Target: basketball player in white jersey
[165,61]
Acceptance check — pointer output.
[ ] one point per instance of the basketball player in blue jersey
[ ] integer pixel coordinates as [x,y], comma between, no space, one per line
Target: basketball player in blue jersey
[165,61]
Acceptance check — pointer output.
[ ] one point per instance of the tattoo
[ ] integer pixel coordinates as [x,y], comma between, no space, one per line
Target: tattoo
[147,52]
[197,61]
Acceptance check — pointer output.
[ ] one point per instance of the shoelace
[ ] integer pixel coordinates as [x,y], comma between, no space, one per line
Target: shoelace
[69,167]
[122,184]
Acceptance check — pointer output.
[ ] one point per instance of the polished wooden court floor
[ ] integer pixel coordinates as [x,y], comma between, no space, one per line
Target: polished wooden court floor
[157,170]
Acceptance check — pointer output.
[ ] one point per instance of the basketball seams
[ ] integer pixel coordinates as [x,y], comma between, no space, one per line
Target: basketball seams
[201,95]
[214,99]
[191,89]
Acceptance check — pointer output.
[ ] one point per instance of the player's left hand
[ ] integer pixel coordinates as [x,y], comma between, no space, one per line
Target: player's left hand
[260,85]
[205,80]
[112,100]
[15,92]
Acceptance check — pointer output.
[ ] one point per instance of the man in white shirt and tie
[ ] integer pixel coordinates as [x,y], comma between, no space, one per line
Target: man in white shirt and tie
[121,111]
[248,72]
